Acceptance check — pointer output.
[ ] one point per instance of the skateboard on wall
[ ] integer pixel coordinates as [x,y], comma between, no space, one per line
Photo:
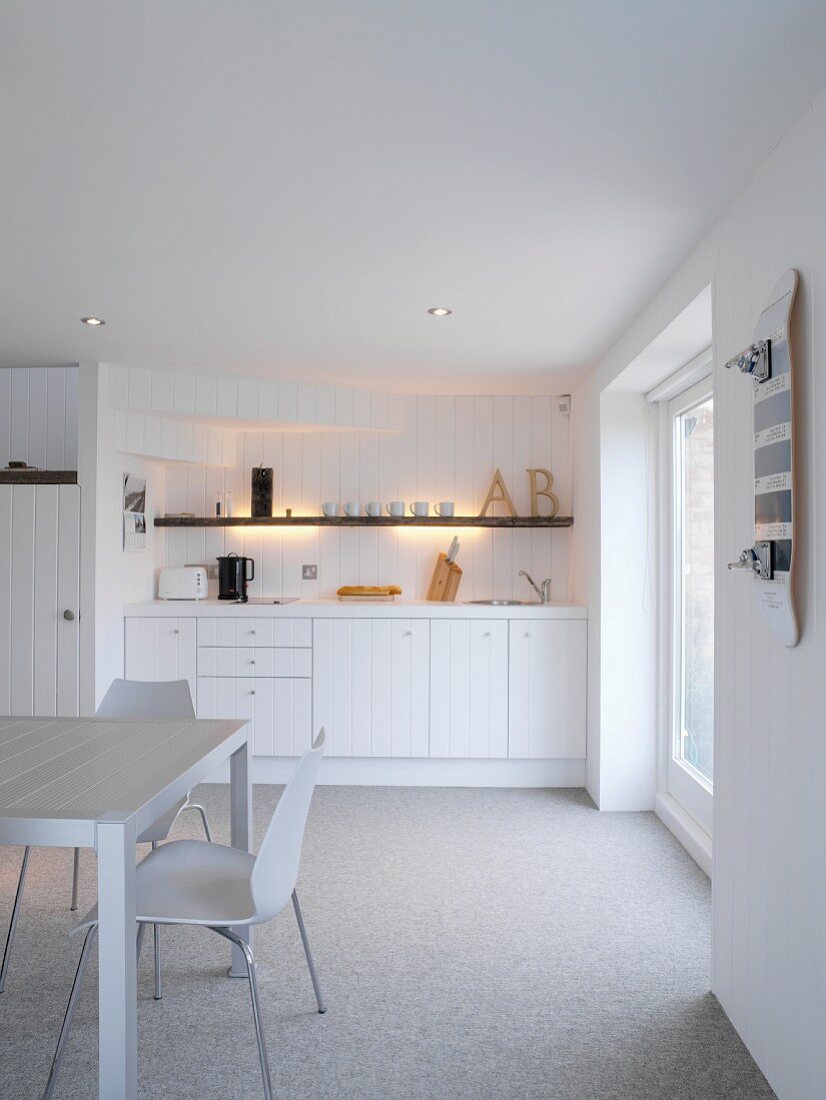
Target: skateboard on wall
[768,363]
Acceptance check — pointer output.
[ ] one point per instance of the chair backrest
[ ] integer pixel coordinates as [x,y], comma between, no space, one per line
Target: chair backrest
[147,699]
[276,865]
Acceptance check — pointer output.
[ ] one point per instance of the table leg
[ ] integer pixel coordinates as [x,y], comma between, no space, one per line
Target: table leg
[117,984]
[240,835]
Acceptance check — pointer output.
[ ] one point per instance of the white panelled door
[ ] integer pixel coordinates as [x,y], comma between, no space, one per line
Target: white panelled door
[39,599]
[548,661]
[371,685]
[469,688]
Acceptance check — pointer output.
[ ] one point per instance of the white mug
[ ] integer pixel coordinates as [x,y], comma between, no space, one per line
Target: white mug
[443,508]
[420,508]
[373,508]
[395,508]
[352,508]
[330,509]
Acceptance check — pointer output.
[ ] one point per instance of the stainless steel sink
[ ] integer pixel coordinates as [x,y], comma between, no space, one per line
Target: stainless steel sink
[501,603]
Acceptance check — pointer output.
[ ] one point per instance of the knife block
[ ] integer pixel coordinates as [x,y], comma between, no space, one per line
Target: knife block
[445,581]
[261,495]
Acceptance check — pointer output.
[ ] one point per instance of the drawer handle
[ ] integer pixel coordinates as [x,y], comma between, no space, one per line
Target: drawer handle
[175,631]
[252,632]
[486,634]
[527,634]
[408,633]
[252,662]
[252,692]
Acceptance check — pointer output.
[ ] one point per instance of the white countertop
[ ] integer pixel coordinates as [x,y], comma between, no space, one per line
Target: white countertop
[330,608]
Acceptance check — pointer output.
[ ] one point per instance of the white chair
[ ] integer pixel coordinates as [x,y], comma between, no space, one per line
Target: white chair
[127,699]
[220,888]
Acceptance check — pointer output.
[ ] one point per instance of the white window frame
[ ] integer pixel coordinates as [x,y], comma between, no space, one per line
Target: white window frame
[677,780]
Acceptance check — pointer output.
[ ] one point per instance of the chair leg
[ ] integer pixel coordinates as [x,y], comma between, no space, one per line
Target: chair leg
[256,1006]
[70,1011]
[202,812]
[139,941]
[15,913]
[322,1007]
[156,940]
[75,876]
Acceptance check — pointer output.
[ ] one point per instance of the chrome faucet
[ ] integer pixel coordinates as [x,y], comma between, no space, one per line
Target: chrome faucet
[544,592]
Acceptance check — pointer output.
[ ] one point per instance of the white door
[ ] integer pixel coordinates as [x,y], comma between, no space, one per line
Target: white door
[548,669]
[371,685]
[469,688]
[39,599]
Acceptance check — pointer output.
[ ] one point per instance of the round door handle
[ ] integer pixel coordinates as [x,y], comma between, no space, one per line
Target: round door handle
[68,615]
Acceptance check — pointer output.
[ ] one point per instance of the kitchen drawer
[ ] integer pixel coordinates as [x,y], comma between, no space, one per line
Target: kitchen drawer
[246,661]
[256,633]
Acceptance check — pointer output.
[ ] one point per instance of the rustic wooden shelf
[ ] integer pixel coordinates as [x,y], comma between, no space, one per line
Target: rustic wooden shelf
[38,477]
[364,521]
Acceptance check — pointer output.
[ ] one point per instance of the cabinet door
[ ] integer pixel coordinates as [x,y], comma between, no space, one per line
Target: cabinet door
[161,649]
[469,688]
[282,716]
[548,669]
[371,685]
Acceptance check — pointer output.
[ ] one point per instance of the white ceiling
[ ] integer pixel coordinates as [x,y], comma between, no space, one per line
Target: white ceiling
[283,187]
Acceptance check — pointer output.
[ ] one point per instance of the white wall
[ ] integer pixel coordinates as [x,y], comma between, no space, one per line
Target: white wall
[448,450]
[38,416]
[769,899]
[121,577]
[627,778]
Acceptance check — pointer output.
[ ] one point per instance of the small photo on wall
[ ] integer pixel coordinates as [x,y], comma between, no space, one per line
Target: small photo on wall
[134,512]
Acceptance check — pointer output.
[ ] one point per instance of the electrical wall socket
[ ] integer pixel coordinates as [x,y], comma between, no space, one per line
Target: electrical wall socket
[309,572]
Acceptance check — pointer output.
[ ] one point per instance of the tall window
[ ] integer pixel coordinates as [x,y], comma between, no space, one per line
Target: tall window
[691,756]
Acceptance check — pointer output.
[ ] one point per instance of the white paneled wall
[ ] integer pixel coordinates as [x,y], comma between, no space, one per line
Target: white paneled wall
[448,450]
[38,416]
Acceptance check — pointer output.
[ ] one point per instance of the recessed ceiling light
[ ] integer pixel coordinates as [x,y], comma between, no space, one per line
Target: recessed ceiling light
[92,321]
[440,311]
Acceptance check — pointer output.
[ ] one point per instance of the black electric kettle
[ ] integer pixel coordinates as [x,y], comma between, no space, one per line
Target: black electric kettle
[233,579]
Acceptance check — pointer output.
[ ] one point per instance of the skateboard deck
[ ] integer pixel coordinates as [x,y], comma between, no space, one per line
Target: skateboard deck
[774,504]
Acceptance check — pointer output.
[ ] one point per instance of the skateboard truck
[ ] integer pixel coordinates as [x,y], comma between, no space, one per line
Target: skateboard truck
[755,360]
[758,559]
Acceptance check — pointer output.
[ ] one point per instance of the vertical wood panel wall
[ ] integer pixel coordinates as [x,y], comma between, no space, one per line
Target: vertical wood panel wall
[38,416]
[448,450]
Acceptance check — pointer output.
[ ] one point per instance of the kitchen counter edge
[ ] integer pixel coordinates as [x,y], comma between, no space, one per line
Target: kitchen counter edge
[333,608]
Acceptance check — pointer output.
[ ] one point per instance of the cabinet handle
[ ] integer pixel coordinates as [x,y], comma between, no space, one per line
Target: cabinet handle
[486,634]
[527,634]
[252,632]
[175,631]
[68,615]
[408,633]
[252,692]
[252,662]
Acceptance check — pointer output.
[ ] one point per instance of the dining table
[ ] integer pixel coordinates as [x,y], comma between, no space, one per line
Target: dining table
[98,783]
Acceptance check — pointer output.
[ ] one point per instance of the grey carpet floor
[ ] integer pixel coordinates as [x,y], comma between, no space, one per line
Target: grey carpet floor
[478,944]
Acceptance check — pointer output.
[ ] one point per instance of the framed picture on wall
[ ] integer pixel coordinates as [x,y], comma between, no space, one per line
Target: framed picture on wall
[134,512]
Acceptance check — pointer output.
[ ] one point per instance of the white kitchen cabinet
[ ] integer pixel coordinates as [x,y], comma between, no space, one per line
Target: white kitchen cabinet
[246,661]
[371,685]
[469,688]
[254,632]
[161,649]
[547,692]
[278,709]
